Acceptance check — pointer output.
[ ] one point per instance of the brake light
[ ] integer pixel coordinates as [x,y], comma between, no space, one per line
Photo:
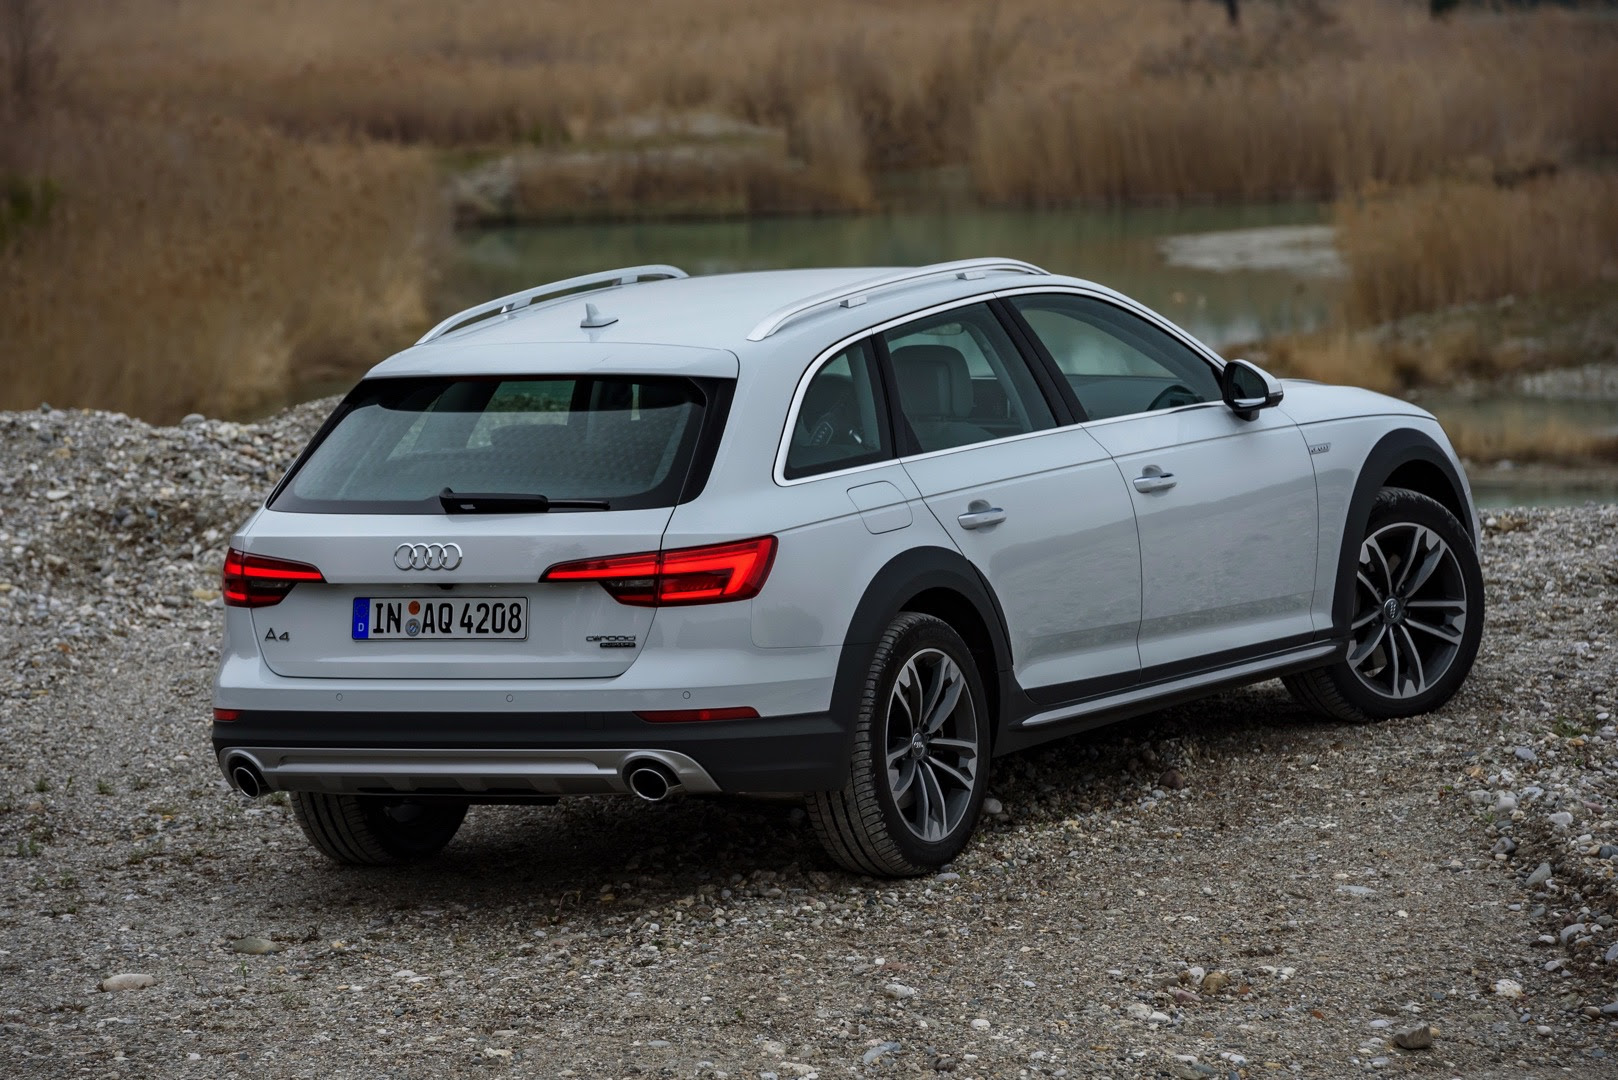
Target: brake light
[260,581]
[686,716]
[711,574]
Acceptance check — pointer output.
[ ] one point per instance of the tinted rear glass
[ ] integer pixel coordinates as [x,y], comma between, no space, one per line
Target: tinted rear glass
[395,444]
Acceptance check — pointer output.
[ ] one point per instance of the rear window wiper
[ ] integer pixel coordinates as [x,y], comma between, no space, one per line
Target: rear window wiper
[510,502]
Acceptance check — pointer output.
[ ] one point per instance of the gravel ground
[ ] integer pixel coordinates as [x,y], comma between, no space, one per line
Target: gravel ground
[1224,889]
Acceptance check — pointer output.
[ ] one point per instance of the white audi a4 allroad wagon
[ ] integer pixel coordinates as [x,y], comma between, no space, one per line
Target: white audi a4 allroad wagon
[848,534]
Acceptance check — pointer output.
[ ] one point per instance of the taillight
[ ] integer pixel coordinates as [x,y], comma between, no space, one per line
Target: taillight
[712,574]
[259,581]
[225,716]
[688,716]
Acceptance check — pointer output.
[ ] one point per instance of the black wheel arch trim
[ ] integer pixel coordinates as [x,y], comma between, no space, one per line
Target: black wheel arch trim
[903,578]
[1393,450]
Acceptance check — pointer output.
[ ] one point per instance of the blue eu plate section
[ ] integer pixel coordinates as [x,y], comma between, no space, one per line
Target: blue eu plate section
[362,618]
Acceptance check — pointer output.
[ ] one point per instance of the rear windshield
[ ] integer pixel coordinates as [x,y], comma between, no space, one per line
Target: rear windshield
[395,444]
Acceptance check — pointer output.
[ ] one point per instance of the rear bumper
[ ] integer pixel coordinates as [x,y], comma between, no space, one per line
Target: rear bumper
[515,754]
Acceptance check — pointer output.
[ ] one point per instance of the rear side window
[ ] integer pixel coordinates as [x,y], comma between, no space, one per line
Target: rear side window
[842,420]
[960,380]
[395,444]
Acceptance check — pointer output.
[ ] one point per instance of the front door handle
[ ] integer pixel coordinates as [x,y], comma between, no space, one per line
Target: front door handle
[1150,481]
[980,514]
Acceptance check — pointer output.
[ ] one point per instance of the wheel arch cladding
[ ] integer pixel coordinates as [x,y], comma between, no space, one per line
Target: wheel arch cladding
[1406,459]
[934,581]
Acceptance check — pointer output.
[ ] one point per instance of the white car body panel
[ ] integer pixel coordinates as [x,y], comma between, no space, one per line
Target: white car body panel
[1085,588]
[1228,554]
[1065,562]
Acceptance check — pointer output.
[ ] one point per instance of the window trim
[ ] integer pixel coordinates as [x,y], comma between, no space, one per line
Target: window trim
[715,396]
[1126,305]
[877,378]
[1060,408]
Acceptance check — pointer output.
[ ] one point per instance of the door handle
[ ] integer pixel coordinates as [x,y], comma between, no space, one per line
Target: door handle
[1155,481]
[980,514]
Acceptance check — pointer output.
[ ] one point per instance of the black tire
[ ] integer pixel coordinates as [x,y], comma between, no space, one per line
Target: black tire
[1416,621]
[917,815]
[377,830]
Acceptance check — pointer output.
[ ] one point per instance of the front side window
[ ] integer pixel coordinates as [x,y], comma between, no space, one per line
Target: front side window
[960,380]
[1116,362]
[842,419]
[398,443]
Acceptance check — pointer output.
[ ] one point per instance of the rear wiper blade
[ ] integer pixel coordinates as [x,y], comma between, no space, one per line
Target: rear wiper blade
[510,502]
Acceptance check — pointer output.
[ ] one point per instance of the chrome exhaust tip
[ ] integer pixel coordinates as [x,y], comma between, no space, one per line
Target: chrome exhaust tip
[246,778]
[651,780]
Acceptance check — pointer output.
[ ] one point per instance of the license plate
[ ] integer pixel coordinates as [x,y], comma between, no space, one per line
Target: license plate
[422,618]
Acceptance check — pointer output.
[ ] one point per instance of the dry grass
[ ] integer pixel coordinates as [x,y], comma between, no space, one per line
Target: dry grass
[1047,101]
[1554,442]
[187,266]
[202,201]
[1452,243]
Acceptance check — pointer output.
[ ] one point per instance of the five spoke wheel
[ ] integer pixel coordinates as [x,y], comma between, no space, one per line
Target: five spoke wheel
[932,745]
[921,755]
[1415,619]
[1410,610]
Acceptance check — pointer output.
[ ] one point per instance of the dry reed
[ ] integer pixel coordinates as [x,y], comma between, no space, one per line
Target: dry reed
[1046,101]
[204,215]
[1536,440]
[190,266]
[1441,244]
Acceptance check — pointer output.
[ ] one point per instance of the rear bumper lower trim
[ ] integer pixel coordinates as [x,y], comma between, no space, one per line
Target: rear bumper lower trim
[530,753]
[356,770]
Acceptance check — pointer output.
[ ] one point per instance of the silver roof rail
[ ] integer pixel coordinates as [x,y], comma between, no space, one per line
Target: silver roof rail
[508,305]
[854,295]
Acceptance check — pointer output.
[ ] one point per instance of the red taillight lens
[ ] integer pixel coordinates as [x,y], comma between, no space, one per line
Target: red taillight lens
[686,716]
[713,574]
[225,716]
[259,581]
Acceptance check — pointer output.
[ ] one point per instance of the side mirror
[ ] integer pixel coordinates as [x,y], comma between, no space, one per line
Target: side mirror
[1247,388]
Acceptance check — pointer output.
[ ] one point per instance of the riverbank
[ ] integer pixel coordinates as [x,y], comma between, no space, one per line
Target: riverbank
[1228,887]
[252,204]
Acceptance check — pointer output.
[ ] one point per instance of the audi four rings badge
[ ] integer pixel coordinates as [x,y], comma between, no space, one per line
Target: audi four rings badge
[427,556]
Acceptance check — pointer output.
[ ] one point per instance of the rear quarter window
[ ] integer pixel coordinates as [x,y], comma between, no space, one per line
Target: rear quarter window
[395,444]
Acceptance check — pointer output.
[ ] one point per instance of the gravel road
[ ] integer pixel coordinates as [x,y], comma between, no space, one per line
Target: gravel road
[1224,889]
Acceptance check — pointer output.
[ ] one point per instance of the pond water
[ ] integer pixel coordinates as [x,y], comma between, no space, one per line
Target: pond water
[1262,273]
[1228,275]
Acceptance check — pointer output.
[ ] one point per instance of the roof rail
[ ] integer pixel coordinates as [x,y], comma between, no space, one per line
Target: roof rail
[855,295]
[508,305]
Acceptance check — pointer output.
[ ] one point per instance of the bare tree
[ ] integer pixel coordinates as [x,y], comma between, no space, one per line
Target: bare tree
[26,59]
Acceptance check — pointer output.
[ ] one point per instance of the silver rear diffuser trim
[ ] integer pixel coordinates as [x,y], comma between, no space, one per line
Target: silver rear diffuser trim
[472,772]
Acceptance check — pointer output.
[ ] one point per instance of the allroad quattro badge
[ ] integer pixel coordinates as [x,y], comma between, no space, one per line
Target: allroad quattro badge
[427,556]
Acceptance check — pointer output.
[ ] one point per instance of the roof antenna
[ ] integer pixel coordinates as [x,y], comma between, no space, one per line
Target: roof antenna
[593,318]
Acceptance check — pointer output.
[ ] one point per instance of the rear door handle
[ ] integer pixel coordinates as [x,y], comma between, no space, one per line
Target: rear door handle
[980,514]
[1155,481]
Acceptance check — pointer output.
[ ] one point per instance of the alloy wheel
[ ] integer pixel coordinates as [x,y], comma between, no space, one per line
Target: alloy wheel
[1410,610]
[932,745]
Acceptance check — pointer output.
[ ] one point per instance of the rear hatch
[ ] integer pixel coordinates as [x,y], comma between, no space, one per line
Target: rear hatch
[431,506]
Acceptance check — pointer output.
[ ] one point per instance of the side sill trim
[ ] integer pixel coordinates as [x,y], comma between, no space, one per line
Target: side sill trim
[1141,694]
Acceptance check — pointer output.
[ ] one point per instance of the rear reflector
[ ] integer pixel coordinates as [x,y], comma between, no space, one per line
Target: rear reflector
[687,716]
[712,574]
[260,581]
[224,716]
